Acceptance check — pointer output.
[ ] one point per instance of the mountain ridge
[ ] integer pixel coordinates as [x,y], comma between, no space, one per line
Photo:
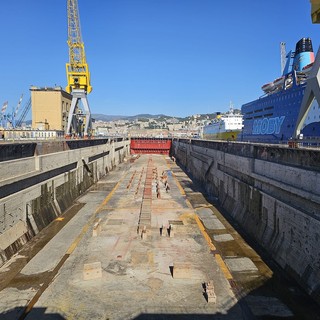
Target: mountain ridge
[104,117]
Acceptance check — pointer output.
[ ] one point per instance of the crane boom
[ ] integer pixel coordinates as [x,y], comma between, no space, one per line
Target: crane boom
[24,113]
[78,74]
[18,106]
[283,55]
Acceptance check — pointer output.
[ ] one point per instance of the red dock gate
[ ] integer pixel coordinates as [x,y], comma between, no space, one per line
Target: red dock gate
[150,145]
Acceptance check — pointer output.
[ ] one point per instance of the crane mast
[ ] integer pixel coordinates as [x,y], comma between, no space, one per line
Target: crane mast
[78,75]
[283,55]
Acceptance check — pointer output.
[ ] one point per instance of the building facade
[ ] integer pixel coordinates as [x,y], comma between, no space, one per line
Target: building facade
[50,108]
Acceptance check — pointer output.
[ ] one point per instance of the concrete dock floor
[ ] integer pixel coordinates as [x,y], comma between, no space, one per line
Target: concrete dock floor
[144,244]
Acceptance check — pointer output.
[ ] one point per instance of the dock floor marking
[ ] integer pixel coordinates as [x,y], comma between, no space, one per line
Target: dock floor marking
[174,176]
[223,266]
[72,247]
[92,218]
[212,247]
[204,233]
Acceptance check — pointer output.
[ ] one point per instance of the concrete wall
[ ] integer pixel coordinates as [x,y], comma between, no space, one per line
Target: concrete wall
[36,190]
[272,192]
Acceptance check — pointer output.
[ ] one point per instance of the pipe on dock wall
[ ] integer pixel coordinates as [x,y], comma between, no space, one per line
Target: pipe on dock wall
[32,199]
[271,192]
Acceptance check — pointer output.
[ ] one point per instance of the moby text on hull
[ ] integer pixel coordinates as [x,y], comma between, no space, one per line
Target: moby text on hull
[268,125]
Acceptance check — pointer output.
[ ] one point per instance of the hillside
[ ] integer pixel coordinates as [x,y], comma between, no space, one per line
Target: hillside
[161,117]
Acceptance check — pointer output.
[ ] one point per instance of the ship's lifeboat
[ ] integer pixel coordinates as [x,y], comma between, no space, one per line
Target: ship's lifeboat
[289,82]
[268,87]
[307,68]
[278,82]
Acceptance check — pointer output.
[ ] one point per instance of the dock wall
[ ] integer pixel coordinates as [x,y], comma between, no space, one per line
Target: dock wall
[38,185]
[272,192]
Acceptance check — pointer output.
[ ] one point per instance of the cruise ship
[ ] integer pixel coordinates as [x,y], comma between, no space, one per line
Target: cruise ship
[225,127]
[273,117]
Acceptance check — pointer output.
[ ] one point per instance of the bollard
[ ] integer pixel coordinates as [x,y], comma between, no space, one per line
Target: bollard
[211,296]
[96,228]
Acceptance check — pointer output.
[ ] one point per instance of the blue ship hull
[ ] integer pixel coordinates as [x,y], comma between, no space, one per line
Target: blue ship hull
[272,118]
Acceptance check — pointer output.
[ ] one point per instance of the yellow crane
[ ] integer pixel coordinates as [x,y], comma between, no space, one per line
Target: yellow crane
[315,11]
[78,75]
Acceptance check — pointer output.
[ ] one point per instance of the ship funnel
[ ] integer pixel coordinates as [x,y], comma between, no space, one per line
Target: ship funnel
[303,55]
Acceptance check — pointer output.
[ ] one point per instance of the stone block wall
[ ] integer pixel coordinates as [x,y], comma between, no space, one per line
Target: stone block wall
[272,192]
[36,190]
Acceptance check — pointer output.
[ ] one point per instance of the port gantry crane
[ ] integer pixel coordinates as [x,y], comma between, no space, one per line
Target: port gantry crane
[9,120]
[78,75]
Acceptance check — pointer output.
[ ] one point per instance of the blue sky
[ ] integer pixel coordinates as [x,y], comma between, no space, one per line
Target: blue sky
[175,57]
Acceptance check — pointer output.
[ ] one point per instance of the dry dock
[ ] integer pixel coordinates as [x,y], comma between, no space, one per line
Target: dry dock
[142,243]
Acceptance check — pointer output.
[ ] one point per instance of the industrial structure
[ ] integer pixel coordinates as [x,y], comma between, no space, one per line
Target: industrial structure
[154,227]
[78,76]
[54,108]
[13,119]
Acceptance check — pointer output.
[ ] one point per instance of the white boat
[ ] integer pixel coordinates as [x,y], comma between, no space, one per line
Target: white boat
[279,82]
[268,87]
[225,127]
[274,85]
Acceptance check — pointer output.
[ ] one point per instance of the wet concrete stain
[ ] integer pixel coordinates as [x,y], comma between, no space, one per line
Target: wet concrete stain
[7,277]
[32,281]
